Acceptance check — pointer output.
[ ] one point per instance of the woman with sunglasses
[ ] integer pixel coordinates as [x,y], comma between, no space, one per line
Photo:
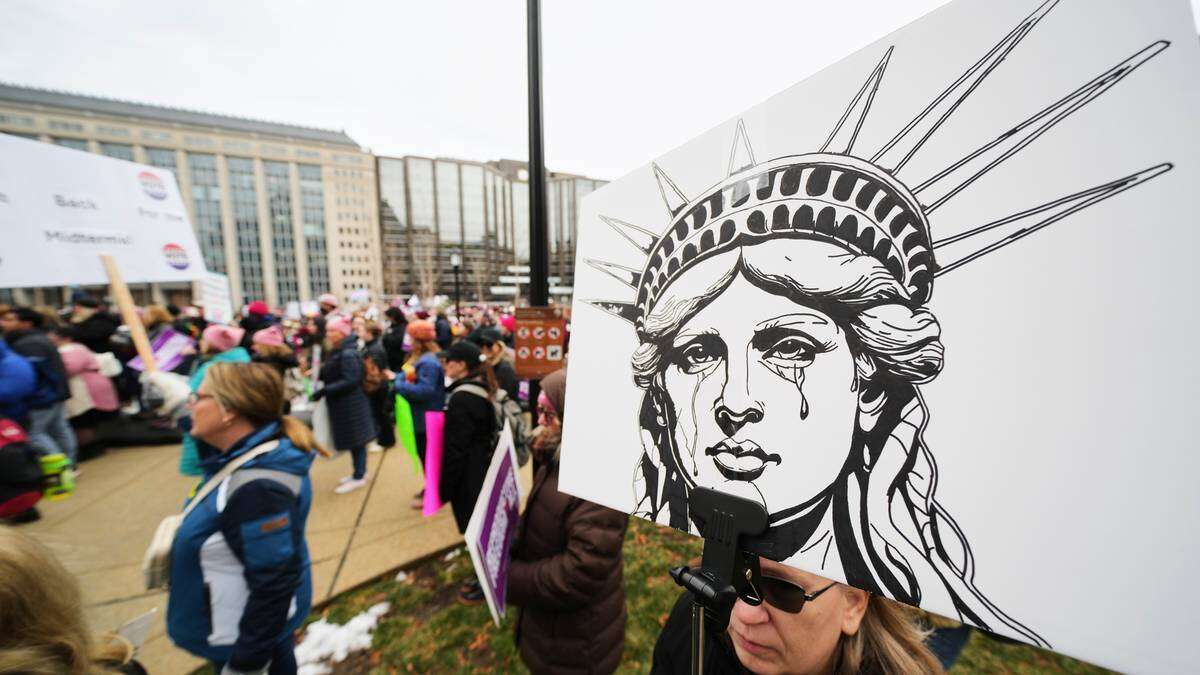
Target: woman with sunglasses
[806,625]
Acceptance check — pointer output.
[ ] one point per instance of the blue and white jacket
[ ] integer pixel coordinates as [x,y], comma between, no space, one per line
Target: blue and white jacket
[240,574]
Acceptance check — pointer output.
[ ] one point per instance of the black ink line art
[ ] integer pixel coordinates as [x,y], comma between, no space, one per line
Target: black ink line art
[791,373]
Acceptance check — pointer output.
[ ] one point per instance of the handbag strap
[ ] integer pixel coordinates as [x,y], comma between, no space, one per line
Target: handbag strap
[212,483]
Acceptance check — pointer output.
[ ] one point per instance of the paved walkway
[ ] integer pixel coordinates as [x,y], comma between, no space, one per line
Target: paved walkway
[101,532]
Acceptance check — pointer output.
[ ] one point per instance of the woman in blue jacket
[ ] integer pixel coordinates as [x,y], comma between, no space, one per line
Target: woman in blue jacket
[423,383]
[241,581]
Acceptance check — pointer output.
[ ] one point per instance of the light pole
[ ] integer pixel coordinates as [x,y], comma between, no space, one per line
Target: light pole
[456,264]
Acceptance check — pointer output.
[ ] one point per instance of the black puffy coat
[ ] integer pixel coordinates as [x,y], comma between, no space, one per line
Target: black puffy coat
[466,449]
[350,415]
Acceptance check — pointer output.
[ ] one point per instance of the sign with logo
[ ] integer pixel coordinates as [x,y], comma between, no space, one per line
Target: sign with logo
[934,308]
[493,524]
[540,333]
[61,208]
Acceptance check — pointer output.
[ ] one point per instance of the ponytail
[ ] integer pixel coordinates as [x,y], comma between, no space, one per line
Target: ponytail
[301,436]
[485,372]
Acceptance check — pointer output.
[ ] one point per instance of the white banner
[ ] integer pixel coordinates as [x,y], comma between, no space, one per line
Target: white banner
[216,298]
[935,308]
[61,208]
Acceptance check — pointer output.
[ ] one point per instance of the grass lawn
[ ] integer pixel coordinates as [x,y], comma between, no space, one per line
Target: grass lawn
[428,631]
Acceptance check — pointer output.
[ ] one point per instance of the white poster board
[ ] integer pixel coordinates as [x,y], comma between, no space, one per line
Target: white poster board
[61,208]
[756,312]
[216,298]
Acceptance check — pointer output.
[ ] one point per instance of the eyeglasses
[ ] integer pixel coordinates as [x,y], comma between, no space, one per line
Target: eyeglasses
[781,594]
[195,397]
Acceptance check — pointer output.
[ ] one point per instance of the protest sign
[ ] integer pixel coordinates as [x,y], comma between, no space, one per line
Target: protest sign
[435,426]
[406,433]
[60,209]
[216,298]
[755,313]
[168,348]
[541,334]
[493,524]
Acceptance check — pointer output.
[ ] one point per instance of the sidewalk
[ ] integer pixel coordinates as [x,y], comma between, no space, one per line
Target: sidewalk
[101,532]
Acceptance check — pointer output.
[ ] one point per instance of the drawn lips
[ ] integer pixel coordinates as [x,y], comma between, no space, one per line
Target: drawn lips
[740,461]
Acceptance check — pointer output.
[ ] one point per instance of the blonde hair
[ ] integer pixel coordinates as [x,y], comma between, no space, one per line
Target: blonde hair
[42,629]
[272,351]
[255,391]
[421,348]
[889,640]
[153,315]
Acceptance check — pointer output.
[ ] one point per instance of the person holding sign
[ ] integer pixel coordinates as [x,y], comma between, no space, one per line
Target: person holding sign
[421,382]
[567,572]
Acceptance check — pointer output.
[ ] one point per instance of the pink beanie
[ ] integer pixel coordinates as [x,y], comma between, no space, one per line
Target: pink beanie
[269,336]
[222,338]
[509,322]
[340,324]
[328,299]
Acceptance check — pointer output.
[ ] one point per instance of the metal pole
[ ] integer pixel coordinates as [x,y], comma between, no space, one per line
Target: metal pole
[457,294]
[539,249]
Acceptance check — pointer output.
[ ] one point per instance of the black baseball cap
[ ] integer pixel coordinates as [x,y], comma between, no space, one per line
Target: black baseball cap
[463,350]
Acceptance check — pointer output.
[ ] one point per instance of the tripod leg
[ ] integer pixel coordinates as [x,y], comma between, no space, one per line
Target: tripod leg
[697,639]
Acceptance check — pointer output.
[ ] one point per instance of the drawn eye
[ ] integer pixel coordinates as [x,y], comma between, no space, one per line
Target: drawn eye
[797,351]
[700,354]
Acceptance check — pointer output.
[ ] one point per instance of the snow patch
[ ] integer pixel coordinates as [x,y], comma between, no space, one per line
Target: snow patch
[452,555]
[402,577]
[326,643]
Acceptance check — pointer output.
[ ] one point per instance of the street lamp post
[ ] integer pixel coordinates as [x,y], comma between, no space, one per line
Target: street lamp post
[456,264]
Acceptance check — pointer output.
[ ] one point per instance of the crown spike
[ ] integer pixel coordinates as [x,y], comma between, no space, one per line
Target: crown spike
[1015,139]
[625,275]
[640,237]
[626,311]
[741,155]
[866,95]
[906,143]
[1056,210]
[672,196]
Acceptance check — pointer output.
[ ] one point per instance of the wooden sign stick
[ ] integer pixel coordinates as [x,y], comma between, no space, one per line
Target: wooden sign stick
[128,312]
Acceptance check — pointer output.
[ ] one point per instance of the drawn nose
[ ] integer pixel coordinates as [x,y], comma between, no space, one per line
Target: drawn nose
[730,422]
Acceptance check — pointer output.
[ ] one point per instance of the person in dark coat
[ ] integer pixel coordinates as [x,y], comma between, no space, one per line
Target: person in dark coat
[95,324]
[393,339]
[350,416]
[258,317]
[442,326]
[567,572]
[470,429]
[375,384]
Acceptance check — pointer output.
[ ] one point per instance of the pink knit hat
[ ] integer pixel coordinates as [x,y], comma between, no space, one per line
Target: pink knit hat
[338,323]
[222,338]
[272,335]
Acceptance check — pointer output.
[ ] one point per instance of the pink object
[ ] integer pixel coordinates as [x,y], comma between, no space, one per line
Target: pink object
[328,299]
[435,423]
[81,362]
[223,338]
[340,324]
[269,336]
[509,322]
[258,308]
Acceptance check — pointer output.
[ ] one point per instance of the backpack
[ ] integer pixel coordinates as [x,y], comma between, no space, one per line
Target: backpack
[507,411]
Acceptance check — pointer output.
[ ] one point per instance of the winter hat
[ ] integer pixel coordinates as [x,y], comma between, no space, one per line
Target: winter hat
[269,336]
[222,338]
[328,299]
[509,322]
[340,324]
[258,308]
[422,314]
[421,330]
[465,351]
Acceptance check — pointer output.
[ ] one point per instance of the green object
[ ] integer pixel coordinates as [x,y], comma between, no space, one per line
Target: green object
[58,481]
[406,434]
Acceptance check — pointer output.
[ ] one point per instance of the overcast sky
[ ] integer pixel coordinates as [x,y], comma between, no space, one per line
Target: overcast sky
[623,80]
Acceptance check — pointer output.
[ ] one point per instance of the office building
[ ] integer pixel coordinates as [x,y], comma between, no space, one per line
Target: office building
[433,209]
[288,212]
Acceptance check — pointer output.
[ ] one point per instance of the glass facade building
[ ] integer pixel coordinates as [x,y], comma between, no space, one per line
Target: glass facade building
[431,209]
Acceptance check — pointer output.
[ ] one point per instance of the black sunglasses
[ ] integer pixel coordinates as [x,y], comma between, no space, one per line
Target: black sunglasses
[781,594]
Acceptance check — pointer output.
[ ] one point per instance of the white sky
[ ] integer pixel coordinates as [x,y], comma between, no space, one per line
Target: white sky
[623,80]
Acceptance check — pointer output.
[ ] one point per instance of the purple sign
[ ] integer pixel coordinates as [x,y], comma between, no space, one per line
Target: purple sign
[493,525]
[168,348]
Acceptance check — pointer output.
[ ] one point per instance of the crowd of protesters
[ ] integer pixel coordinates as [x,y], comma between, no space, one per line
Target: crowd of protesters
[68,377]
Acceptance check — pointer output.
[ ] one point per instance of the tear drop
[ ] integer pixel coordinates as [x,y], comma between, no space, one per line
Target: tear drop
[803,407]
[854,384]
